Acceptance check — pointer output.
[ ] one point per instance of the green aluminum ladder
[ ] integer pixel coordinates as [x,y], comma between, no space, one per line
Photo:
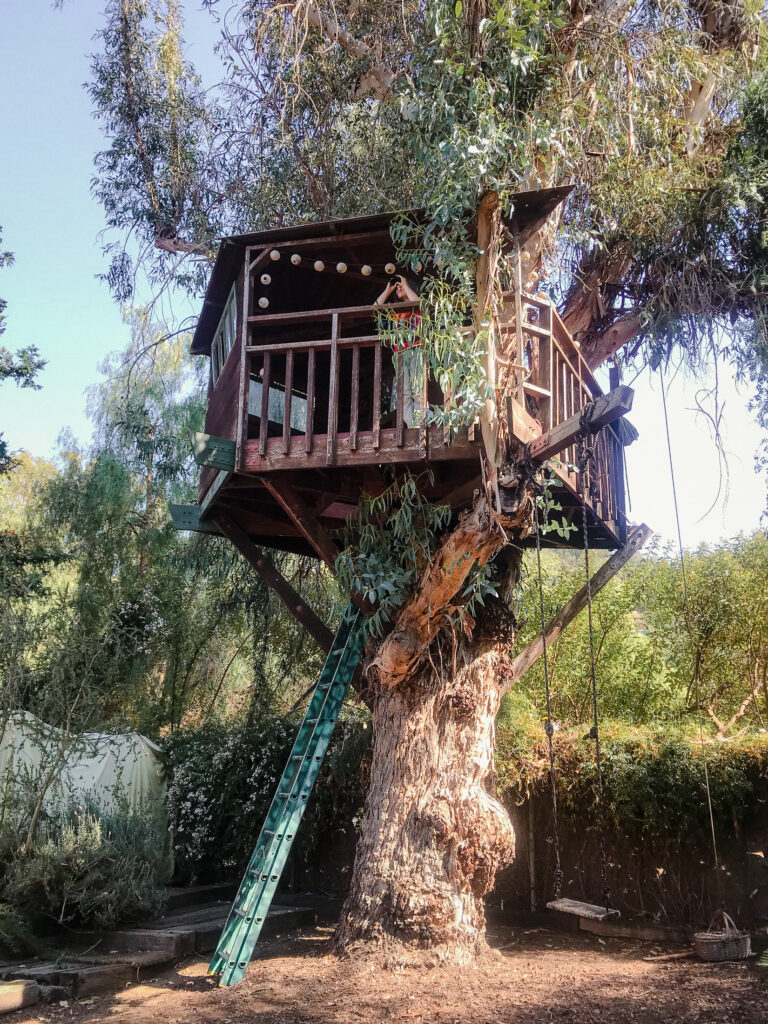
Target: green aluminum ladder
[259,883]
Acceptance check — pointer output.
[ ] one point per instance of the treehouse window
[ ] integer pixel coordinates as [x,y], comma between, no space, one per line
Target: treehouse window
[224,338]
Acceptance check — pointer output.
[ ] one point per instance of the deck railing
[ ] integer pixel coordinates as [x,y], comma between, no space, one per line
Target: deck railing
[341,397]
[553,382]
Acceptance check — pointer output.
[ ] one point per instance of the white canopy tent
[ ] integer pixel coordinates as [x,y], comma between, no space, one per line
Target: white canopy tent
[105,767]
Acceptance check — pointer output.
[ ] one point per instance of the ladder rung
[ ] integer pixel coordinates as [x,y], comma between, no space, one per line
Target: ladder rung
[295,786]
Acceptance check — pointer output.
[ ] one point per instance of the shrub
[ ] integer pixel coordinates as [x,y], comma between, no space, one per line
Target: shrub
[223,778]
[91,867]
[15,937]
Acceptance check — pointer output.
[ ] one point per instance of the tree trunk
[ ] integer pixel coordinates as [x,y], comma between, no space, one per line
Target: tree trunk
[432,836]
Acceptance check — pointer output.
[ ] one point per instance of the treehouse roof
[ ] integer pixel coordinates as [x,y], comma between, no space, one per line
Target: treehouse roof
[355,240]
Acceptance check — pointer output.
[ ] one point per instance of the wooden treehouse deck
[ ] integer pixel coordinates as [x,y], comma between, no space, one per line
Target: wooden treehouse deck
[307,407]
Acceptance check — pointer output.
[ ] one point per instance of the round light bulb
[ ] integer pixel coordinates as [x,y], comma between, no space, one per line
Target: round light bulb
[295,259]
[266,279]
[319,265]
[365,270]
[341,267]
[274,255]
[263,301]
[390,269]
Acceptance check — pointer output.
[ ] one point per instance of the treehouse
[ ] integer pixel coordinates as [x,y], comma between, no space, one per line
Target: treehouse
[308,408]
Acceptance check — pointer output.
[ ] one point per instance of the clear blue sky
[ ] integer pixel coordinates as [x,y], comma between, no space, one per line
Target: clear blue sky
[55,301]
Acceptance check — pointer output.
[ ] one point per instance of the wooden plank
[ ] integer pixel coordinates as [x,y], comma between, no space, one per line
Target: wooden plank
[305,520]
[187,517]
[327,241]
[377,395]
[520,424]
[321,345]
[209,450]
[310,401]
[297,607]
[604,410]
[587,910]
[354,398]
[302,316]
[333,394]
[365,454]
[264,418]
[287,402]
[636,538]
[213,492]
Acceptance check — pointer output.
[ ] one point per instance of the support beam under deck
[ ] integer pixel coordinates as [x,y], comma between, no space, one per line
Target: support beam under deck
[275,581]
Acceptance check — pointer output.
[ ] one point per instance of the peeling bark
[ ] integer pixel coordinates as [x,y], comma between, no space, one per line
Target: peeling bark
[432,838]
[477,537]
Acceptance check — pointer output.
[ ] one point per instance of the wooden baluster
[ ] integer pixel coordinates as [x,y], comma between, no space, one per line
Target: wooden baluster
[333,397]
[544,370]
[264,419]
[310,401]
[423,423]
[376,394]
[353,413]
[446,407]
[288,401]
[399,421]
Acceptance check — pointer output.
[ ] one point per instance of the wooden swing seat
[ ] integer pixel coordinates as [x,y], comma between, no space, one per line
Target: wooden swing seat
[588,910]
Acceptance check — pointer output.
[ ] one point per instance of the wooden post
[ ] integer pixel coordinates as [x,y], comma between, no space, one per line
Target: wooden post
[531,852]
[288,401]
[264,418]
[310,401]
[400,413]
[545,369]
[245,367]
[354,398]
[377,394]
[333,395]
[519,319]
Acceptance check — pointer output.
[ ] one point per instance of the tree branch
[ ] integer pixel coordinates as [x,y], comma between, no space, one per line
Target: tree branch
[474,541]
[378,81]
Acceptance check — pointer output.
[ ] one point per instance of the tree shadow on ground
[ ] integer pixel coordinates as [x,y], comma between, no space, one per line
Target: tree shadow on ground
[538,976]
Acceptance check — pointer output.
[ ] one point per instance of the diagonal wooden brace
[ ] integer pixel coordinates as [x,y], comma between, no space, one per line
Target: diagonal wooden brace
[636,538]
[275,581]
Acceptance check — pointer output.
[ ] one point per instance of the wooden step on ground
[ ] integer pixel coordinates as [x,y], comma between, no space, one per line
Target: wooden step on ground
[115,959]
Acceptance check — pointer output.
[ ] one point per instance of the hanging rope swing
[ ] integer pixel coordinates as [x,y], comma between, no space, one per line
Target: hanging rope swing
[593,911]
[726,942]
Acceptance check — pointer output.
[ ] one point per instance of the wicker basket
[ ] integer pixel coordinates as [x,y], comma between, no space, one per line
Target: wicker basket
[727,943]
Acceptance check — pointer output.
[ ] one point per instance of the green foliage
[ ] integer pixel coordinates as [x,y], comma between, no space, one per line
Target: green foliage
[153,112]
[21,367]
[16,940]
[388,546]
[218,768]
[92,867]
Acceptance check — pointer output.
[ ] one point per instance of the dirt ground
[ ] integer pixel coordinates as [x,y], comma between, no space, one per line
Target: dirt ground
[535,976]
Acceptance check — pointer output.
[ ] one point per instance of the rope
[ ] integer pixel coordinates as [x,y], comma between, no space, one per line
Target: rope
[586,452]
[549,727]
[687,614]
